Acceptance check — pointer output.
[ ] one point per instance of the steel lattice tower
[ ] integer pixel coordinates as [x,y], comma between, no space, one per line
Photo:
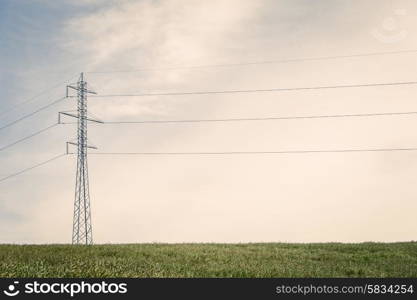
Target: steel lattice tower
[82,231]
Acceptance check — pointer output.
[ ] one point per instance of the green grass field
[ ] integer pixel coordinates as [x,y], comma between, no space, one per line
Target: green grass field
[210,260]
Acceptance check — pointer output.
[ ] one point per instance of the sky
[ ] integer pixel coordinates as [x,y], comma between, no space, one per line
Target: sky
[144,46]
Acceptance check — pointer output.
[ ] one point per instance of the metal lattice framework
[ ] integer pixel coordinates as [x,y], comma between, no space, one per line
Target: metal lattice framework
[82,231]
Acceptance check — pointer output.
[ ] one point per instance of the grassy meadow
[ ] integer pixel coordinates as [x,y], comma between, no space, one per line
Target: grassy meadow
[210,260]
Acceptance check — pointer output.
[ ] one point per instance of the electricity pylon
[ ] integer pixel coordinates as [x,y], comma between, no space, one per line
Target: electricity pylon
[82,231]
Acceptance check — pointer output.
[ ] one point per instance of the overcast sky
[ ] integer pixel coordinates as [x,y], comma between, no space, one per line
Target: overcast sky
[344,197]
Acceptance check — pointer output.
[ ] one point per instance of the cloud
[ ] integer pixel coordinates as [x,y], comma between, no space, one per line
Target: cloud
[157,32]
[297,198]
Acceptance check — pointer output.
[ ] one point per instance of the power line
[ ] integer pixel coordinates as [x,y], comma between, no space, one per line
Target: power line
[260,90]
[256,62]
[34,97]
[261,118]
[32,167]
[212,153]
[28,137]
[252,152]
[32,113]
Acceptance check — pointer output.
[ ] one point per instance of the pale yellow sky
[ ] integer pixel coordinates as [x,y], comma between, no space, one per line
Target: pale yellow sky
[344,197]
